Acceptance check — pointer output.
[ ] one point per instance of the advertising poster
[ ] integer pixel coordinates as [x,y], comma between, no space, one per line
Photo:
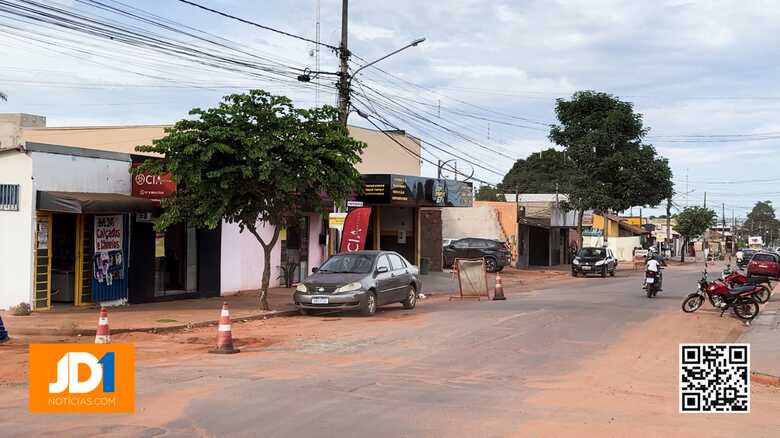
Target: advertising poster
[109,258]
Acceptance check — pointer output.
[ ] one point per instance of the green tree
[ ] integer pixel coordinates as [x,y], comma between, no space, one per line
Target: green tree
[541,172]
[487,193]
[612,169]
[692,222]
[762,221]
[254,159]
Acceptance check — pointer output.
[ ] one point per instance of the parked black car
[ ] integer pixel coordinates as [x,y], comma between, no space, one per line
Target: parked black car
[361,280]
[599,261]
[495,253]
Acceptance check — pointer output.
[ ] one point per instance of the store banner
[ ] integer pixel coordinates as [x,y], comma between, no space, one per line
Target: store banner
[355,230]
[154,187]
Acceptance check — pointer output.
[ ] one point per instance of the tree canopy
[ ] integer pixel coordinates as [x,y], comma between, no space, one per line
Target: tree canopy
[254,158]
[613,169]
[761,219]
[539,173]
[692,222]
[602,136]
[487,193]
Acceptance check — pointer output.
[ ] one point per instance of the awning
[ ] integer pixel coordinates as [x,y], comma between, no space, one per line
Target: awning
[76,202]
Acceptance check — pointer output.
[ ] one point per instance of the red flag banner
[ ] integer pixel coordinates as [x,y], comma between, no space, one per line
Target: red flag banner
[353,238]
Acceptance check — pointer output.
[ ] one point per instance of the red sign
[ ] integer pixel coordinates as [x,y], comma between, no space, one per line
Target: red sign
[353,236]
[154,187]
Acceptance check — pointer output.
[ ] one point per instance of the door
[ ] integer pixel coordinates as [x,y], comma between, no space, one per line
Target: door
[42,282]
[400,277]
[83,267]
[384,280]
[110,277]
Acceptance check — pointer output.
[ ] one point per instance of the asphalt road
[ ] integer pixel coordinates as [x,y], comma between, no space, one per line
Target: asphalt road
[443,369]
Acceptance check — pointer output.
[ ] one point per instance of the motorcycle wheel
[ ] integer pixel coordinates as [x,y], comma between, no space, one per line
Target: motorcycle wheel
[763,296]
[650,292]
[746,309]
[692,303]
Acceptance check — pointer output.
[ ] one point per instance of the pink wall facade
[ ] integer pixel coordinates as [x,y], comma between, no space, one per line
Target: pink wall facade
[242,256]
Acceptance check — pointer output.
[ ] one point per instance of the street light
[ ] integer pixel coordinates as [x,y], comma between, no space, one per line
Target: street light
[308,74]
[412,44]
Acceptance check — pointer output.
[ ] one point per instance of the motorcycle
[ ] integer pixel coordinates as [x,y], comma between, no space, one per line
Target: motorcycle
[737,278]
[652,280]
[740,299]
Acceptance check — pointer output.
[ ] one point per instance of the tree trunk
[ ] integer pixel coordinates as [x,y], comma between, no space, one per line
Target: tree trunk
[579,229]
[683,250]
[265,279]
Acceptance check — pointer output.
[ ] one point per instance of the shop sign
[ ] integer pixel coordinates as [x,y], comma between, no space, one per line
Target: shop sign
[154,187]
[108,233]
[354,204]
[336,220]
[385,189]
[355,230]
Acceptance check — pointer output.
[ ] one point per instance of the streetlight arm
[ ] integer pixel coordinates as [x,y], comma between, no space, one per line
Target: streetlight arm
[412,44]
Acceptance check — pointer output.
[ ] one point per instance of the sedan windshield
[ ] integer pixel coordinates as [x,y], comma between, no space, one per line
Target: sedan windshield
[348,264]
[591,252]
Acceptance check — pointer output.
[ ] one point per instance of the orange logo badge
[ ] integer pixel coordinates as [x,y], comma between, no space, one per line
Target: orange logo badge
[82,378]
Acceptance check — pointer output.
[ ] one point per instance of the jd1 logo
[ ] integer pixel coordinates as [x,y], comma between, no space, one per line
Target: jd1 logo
[68,373]
[79,378]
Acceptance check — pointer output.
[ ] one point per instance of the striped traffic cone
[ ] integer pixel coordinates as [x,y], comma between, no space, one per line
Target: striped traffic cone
[224,334]
[499,293]
[103,334]
[3,331]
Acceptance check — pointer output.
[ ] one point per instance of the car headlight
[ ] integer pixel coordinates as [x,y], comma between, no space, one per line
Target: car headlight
[600,262]
[349,287]
[301,288]
[576,262]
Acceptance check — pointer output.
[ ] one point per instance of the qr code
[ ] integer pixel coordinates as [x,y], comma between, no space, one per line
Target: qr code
[714,378]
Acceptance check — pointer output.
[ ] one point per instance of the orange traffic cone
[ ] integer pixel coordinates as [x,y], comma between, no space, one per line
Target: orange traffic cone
[224,334]
[499,293]
[103,335]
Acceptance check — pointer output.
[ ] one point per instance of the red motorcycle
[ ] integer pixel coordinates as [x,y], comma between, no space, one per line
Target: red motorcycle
[741,299]
[737,278]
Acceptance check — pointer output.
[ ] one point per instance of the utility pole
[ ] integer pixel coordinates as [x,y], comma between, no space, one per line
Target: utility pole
[705,245]
[686,188]
[344,67]
[518,240]
[669,223]
[723,231]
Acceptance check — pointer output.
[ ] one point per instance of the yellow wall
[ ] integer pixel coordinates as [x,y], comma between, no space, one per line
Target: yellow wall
[614,228]
[633,220]
[382,155]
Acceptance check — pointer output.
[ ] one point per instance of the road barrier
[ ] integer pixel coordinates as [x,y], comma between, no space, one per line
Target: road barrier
[499,293]
[103,334]
[224,334]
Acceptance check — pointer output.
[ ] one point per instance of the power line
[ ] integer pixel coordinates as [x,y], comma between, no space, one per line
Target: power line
[261,26]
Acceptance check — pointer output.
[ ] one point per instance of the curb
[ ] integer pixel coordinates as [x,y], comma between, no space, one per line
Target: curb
[765,379]
[166,329]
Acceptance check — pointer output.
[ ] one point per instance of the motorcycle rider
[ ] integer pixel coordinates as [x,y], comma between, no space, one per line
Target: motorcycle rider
[654,264]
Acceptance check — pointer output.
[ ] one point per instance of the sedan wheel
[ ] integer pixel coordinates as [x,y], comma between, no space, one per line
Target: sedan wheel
[411,299]
[490,265]
[369,306]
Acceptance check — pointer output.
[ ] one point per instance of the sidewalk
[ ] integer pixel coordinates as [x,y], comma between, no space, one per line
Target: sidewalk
[161,316]
[763,336]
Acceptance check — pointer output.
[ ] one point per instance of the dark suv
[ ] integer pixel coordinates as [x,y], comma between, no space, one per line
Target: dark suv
[594,261]
[495,253]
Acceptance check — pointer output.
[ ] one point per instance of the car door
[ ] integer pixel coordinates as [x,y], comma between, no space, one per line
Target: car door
[461,248]
[400,277]
[384,280]
[611,260]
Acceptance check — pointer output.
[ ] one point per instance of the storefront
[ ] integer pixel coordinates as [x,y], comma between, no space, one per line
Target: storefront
[404,212]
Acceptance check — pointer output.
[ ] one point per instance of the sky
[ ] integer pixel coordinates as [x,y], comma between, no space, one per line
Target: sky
[481,88]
